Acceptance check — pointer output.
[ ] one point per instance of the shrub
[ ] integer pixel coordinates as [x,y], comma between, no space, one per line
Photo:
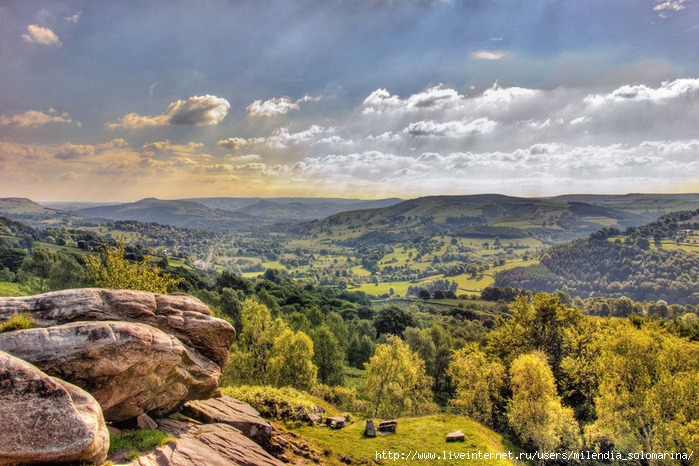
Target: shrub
[344,398]
[284,404]
[17,322]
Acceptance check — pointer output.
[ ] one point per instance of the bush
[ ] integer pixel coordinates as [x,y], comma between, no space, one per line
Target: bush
[17,322]
[342,397]
[284,404]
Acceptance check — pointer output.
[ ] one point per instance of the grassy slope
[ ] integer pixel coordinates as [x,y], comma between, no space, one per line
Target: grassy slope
[422,434]
[10,289]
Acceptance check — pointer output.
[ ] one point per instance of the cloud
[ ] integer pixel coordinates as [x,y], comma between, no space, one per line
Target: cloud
[195,111]
[70,151]
[277,106]
[668,90]
[40,35]
[492,55]
[281,138]
[233,143]
[451,129]
[664,6]
[434,98]
[73,18]
[35,118]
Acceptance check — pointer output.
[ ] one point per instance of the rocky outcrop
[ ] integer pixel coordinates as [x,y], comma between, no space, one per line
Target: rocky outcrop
[177,314]
[130,368]
[46,420]
[210,444]
[227,410]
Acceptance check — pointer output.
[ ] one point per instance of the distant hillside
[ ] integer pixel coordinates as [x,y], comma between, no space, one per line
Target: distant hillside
[485,216]
[9,227]
[659,260]
[177,213]
[29,212]
[292,209]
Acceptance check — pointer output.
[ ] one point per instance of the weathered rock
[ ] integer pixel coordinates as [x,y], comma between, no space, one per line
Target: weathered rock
[227,410]
[335,422]
[144,421]
[388,426]
[370,430]
[209,444]
[46,420]
[178,314]
[130,368]
[456,436]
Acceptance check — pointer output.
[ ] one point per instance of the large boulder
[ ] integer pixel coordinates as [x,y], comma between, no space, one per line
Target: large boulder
[227,410]
[210,444]
[46,420]
[130,368]
[178,314]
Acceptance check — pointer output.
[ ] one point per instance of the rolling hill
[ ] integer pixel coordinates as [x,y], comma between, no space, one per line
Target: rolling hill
[29,212]
[176,213]
[549,220]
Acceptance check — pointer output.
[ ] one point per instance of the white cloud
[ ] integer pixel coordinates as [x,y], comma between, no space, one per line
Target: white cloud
[668,90]
[233,143]
[451,129]
[432,99]
[41,35]
[35,118]
[195,111]
[272,107]
[491,55]
[73,18]
[665,6]
[277,106]
[281,138]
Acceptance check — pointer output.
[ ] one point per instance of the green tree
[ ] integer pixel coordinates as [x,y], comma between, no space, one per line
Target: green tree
[66,273]
[535,412]
[393,320]
[229,302]
[290,364]
[111,270]
[420,342]
[359,351]
[395,381]
[250,352]
[327,356]
[537,324]
[337,325]
[649,384]
[36,269]
[479,381]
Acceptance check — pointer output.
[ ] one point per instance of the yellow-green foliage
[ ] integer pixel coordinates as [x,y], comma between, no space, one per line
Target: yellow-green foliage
[138,441]
[290,362]
[535,412]
[396,383]
[17,322]
[648,387]
[285,404]
[478,380]
[346,399]
[111,270]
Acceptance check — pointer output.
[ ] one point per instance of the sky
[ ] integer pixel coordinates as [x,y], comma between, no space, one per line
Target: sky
[121,100]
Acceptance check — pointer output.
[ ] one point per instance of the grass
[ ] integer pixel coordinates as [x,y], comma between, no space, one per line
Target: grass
[425,434]
[8,289]
[17,322]
[138,441]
